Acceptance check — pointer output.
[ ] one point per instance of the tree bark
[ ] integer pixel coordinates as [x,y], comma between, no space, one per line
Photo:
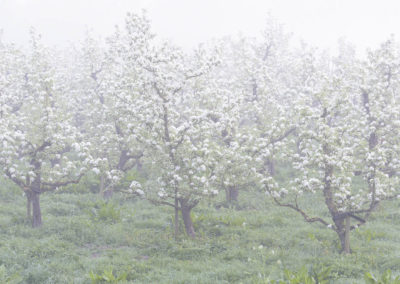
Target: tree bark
[343,232]
[176,225]
[102,183]
[139,165]
[271,166]
[106,191]
[37,214]
[123,159]
[107,194]
[329,201]
[347,236]
[28,204]
[341,235]
[187,219]
[232,194]
[35,190]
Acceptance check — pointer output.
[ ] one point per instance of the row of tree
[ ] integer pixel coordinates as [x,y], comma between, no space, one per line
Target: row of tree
[221,117]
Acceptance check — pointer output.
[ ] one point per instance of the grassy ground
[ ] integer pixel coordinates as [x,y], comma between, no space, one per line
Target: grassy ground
[83,235]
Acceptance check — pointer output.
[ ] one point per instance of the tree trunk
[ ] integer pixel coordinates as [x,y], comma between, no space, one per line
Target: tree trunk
[106,191]
[37,214]
[232,194]
[102,182]
[139,165]
[28,204]
[187,219]
[271,166]
[343,232]
[123,159]
[341,227]
[347,236]
[176,225]
[107,194]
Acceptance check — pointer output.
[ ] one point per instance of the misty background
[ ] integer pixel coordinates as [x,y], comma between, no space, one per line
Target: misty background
[187,23]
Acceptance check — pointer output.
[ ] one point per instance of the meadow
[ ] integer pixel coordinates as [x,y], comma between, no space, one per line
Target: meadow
[85,239]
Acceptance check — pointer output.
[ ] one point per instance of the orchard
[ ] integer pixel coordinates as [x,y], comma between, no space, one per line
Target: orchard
[229,125]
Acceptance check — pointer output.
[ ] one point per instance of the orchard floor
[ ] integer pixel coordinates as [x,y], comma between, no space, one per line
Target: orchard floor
[84,238]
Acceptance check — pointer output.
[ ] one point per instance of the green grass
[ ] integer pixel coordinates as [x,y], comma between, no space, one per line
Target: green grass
[84,238]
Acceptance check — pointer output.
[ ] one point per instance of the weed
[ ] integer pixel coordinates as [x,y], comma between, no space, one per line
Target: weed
[102,211]
[107,277]
[386,278]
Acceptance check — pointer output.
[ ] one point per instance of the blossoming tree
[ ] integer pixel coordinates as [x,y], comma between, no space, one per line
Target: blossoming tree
[40,149]
[345,148]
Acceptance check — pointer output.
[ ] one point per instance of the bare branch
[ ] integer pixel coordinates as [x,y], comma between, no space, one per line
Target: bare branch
[305,216]
[283,136]
[163,202]
[48,186]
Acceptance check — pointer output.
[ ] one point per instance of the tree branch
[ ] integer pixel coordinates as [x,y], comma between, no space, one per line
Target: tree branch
[48,186]
[283,136]
[305,216]
[17,181]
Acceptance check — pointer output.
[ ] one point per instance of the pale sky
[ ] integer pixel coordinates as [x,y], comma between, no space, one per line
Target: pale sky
[365,23]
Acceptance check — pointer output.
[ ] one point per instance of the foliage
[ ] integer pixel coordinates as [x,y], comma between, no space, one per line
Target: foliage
[103,211]
[307,276]
[107,277]
[386,278]
[6,278]
[247,245]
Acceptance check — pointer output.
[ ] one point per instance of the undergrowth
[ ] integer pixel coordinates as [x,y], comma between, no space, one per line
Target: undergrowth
[87,240]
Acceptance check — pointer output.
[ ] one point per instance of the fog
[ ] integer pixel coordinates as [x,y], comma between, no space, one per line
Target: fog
[199,141]
[322,23]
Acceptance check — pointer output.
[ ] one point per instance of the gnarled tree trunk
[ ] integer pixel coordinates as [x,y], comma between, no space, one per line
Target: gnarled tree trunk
[343,232]
[344,241]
